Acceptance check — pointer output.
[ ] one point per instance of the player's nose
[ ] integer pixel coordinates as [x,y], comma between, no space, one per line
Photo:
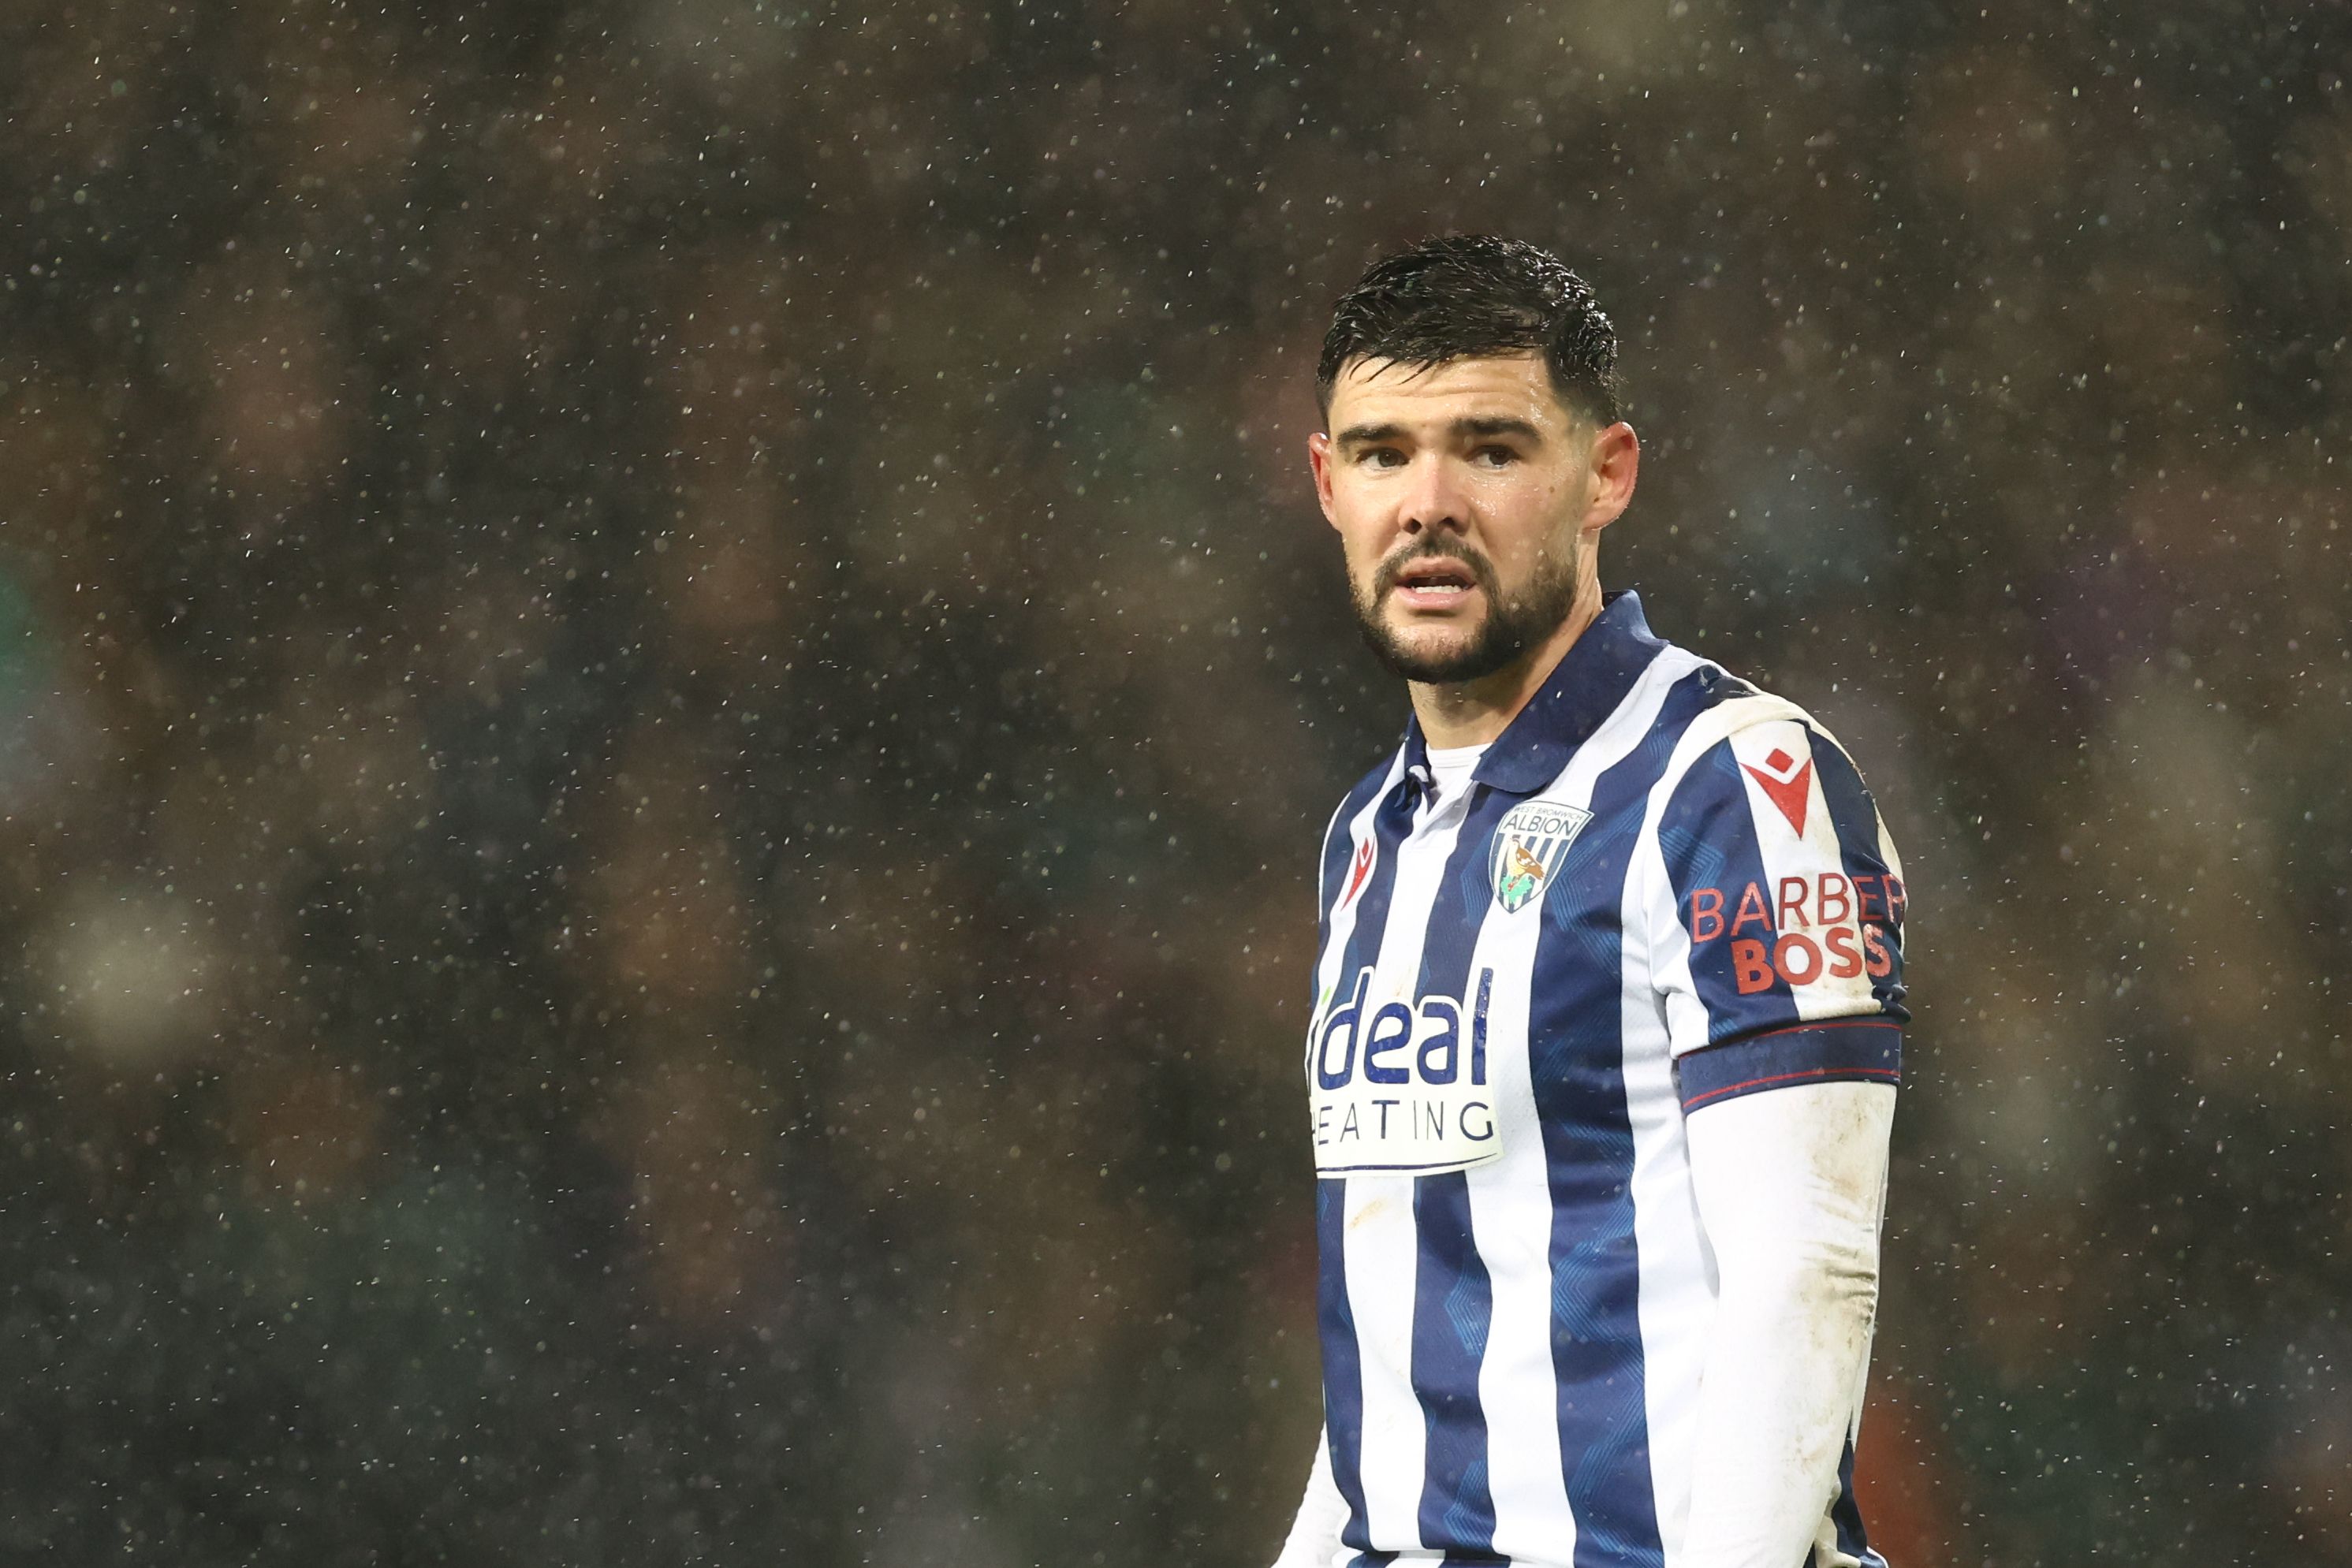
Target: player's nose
[1432,499]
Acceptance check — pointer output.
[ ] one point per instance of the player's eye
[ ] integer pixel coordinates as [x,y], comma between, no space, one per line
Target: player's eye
[1381,457]
[1494,457]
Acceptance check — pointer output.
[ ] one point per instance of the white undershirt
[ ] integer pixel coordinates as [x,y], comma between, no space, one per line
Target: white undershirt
[1450,769]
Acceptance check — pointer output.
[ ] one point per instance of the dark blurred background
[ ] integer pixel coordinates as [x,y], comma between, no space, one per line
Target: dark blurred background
[667,675]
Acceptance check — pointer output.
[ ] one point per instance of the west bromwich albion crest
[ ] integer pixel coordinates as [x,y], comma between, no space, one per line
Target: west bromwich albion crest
[1529,845]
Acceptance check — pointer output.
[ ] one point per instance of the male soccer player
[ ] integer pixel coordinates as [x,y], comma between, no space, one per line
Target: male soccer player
[1607,1005]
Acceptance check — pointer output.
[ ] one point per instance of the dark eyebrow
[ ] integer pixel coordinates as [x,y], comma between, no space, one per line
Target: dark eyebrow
[1498,426]
[1479,425]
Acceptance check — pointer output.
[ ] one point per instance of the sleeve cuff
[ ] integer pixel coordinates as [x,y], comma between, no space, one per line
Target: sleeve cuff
[1836,1050]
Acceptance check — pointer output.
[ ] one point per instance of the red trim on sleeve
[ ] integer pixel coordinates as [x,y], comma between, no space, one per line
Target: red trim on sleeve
[1883,1074]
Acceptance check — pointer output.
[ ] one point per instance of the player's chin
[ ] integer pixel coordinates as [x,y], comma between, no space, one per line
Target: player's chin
[1435,652]
[1436,633]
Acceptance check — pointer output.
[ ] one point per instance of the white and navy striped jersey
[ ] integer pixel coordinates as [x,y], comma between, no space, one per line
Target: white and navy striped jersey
[1662,888]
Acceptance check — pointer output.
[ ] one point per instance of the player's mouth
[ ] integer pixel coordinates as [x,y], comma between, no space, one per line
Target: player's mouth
[1435,583]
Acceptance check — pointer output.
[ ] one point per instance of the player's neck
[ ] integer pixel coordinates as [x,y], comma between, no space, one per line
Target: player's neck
[1472,713]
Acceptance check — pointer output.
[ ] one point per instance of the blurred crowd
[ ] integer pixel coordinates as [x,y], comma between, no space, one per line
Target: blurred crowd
[667,674]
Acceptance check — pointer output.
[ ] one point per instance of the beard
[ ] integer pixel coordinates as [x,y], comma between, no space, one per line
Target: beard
[1513,624]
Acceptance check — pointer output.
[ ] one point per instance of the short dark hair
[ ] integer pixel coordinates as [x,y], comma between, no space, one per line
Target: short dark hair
[1459,297]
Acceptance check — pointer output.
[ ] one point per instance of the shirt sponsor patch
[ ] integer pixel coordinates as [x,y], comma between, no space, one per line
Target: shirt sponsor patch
[1400,1085]
[1529,844]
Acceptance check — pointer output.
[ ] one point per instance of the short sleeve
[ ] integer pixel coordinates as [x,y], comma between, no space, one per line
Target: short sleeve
[1777,928]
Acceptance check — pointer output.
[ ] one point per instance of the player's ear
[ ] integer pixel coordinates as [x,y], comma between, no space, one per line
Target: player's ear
[1319,457]
[1615,462]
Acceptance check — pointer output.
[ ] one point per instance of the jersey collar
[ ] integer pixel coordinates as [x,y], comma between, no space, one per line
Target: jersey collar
[1584,688]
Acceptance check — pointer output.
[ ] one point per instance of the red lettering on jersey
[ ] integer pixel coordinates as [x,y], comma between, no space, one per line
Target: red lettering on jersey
[1882,961]
[1706,915]
[1834,887]
[1752,908]
[1749,966]
[1798,961]
[1793,902]
[1845,958]
[1881,898]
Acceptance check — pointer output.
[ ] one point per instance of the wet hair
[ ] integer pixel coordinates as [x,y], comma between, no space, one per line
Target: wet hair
[1462,297]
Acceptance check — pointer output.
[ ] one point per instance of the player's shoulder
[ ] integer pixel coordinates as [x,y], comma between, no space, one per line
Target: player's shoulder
[1732,716]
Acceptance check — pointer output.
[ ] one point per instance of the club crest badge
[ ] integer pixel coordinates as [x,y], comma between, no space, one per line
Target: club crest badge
[1530,845]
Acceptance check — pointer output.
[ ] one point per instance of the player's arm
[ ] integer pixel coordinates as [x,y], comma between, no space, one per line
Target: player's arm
[1789,1187]
[1314,1538]
[1776,933]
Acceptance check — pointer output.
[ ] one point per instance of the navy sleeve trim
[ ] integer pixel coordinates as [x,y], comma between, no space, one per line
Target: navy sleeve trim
[1835,1050]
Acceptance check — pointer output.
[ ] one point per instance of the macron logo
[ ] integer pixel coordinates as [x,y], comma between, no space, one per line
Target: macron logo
[1357,874]
[1787,785]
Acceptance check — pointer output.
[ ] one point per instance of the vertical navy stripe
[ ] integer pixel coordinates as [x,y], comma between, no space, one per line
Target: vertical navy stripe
[1847,1514]
[1453,1295]
[1707,836]
[1343,1370]
[1576,1044]
[1856,819]
[1453,1309]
